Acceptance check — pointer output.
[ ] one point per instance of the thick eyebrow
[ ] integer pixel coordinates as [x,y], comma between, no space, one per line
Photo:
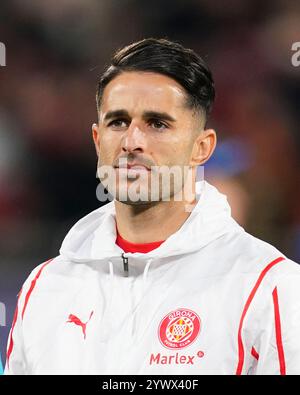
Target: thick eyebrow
[146,115]
[116,114]
[158,115]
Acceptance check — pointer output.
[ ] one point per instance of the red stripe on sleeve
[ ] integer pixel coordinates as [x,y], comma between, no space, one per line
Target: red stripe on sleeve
[241,352]
[33,283]
[278,333]
[11,340]
[254,353]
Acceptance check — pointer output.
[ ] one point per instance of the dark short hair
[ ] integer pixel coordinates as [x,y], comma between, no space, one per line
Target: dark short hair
[168,58]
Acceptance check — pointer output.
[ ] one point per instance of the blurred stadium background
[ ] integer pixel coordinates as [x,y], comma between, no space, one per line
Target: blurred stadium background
[55,54]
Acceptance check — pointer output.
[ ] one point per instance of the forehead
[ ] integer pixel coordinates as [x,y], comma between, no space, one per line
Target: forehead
[143,91]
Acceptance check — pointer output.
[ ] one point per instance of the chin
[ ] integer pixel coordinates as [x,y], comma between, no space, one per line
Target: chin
[140,201]
[136,203]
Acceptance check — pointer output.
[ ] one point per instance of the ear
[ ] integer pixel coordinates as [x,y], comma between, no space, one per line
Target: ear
[96,137]
[203,147]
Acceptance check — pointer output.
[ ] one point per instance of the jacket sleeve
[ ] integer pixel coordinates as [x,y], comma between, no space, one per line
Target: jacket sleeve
[16,356]
[279,344]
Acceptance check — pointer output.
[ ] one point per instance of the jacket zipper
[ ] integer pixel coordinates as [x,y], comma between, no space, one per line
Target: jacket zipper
[125,265]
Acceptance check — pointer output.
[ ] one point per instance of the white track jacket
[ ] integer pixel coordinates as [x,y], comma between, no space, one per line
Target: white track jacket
[212,299]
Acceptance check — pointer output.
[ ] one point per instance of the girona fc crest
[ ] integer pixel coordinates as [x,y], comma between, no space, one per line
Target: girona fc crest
[179,329]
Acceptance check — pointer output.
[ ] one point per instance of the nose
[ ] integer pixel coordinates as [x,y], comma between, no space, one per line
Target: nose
[134,140]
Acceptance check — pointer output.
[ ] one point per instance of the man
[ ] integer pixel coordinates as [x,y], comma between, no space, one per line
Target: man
[161,280]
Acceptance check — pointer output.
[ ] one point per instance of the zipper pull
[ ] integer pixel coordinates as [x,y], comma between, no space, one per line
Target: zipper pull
[125,264]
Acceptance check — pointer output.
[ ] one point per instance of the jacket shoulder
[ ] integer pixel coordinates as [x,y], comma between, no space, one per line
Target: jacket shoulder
[254,255]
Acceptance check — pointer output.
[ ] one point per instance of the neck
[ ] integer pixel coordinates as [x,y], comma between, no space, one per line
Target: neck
[147,223]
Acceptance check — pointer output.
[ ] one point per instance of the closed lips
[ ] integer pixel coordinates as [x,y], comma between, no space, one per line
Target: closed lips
[137,167]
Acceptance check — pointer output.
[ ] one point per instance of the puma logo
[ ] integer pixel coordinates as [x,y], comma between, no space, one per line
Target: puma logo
[77,321]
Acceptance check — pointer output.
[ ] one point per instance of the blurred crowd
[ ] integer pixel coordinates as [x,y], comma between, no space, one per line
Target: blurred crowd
[55,52]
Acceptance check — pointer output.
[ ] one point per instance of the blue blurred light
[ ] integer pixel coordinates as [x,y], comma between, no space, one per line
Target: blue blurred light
[1,366]
[231,157]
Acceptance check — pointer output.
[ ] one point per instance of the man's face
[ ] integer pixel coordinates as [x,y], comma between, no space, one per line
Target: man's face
[144,121]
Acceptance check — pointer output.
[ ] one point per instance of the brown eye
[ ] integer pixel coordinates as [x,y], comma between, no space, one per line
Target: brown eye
[118,124]
[159,125]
